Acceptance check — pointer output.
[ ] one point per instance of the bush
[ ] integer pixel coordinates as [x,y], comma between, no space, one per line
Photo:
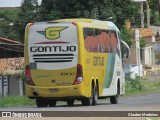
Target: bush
[134,84]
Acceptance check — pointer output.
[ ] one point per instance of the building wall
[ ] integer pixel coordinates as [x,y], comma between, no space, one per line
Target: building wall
[14,86]
[133,56]
[148,56]
[156,46]
[133,70]
[149,39]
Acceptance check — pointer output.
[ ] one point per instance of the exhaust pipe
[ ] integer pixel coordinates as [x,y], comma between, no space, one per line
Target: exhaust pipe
[35,93]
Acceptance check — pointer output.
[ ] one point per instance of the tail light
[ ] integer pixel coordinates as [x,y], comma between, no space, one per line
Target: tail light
[29,80]
[79,75]
[74,23]
[30,24]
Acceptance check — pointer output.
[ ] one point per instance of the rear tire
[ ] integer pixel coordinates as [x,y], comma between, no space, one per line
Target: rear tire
[41,102]
[95,96]
[70,102]
[93,99]
[52,103]
[114,99]
[86,101]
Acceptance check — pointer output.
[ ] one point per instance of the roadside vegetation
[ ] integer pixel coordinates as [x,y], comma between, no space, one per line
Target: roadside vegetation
[15,101]
[140,85]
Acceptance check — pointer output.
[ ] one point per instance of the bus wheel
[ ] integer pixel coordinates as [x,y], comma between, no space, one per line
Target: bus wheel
[92,100]
[41,102]
[95,96]
[114,99]
[87,101]
[70,102]
[52,103]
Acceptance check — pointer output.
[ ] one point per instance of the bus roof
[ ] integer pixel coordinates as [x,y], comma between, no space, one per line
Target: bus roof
[109,24]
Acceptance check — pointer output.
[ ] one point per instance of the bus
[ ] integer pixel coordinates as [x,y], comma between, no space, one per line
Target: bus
[73,59]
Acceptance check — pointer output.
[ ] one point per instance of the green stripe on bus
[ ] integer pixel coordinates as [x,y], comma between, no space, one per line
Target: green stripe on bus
[109,71]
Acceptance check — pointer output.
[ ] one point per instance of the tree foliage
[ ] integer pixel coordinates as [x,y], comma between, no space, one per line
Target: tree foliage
[28,13]
[8,26]
[126,34]
[154,11]
[118,10]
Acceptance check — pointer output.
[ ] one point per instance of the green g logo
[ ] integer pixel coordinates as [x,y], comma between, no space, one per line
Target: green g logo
[53,32]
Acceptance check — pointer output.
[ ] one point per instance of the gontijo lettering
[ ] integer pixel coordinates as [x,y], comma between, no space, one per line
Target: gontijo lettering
[52,48]
[98,61]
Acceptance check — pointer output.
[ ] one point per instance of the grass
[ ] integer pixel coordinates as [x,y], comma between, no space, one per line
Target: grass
[137,92]
[146,87]
[154,118]
[15,101]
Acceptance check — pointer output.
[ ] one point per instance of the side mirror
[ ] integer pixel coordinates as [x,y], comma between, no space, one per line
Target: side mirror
[125,50]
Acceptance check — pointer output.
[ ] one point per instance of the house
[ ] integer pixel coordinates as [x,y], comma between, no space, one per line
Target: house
[11,67]
[147,52]
[156,45]
[10,48]
[11,80]
[140,57]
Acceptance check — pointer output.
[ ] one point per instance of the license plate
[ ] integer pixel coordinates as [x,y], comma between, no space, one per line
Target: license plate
[53,90]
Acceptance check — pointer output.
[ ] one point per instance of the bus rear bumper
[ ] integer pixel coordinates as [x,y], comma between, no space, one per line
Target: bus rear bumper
[73,91]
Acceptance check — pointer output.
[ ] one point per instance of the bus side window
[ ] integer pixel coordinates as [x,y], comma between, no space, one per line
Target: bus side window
[90,32]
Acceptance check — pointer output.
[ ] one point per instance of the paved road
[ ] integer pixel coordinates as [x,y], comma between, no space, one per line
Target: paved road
[145,102]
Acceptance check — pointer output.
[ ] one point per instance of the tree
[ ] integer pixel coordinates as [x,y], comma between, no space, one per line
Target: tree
[126,35]
[154,11]
[142,43]
[124,10]
[29,12]
[8,18]
[119,10]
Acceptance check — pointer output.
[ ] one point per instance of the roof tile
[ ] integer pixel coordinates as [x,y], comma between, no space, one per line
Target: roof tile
[11,64]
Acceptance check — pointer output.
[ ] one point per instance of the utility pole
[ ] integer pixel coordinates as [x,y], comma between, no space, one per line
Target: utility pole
[142,15]
[159,6]
[148,14]
[138,58]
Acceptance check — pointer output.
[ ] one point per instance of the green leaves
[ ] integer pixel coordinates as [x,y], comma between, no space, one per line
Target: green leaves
[8,23]
[127,36]
[29,12]
[118,10]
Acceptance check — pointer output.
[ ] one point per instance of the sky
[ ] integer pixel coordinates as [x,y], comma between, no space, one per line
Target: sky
[12,3]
